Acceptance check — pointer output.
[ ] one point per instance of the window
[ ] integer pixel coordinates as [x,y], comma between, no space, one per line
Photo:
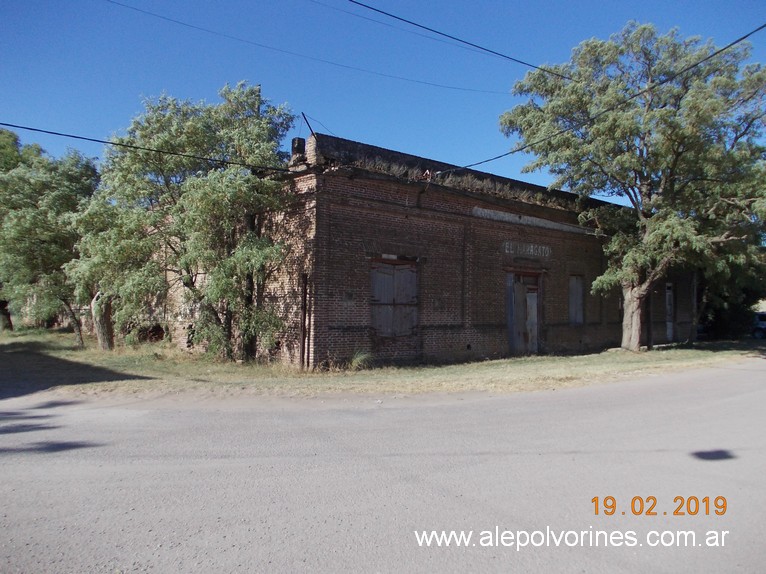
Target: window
[576,299]
[394,299]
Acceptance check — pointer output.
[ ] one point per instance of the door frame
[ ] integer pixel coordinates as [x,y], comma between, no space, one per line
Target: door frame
[520,341]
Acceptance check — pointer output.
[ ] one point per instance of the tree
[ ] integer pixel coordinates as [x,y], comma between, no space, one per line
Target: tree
[728,293]
[10,150]
[9,158]
[191,223]
[12,153]
[6,324]
[116,256]
[38,199]
[672,127]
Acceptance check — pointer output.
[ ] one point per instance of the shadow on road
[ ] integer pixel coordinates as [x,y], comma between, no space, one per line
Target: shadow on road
[22,416]
[750,347]
[714,455]
[24,427]
[54,404]
[14,426]
[48,447]
[26,369]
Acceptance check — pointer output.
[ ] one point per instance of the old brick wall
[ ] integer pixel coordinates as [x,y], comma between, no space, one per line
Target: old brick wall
[290,290]
[466,245]
[462,263]
[468,235]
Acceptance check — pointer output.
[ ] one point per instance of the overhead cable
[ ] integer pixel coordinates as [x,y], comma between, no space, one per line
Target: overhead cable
[590,120]
[149,149]
[329,131]
[304,56]
[455,38]
[361,17]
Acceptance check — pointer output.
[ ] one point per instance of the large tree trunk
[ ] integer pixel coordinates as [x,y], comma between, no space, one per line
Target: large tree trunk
[228,332]
[248,341]
[5,317]
[632,320]
[253,292]
[254,301]
[101,311]
[76,325]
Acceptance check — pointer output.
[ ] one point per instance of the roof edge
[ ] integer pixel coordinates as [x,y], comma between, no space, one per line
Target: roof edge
[324,152]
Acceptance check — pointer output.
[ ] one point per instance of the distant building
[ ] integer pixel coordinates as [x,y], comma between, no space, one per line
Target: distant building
[413,260]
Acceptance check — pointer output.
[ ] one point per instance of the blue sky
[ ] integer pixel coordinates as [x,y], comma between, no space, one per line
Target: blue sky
[84,66]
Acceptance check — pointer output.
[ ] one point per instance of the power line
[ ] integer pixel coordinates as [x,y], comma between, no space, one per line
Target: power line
[321,124]
[298,55]
[143,148]
[455,38]
[590,120]
[357,15]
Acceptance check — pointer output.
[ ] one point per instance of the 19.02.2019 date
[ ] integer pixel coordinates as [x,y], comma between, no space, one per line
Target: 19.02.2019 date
[647,506]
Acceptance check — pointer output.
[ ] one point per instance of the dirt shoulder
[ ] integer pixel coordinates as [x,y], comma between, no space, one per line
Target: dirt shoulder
[38,362]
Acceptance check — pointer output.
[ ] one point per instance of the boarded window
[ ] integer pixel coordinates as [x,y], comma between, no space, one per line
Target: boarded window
[394,299]
[576,299]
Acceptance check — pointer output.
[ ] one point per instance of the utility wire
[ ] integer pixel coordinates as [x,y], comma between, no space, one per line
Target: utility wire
[400,29]
[143,148]
[329,131]
[455,38]
[298,55]
[590,120]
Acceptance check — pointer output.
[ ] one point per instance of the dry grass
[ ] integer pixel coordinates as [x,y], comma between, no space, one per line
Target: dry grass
[167,370]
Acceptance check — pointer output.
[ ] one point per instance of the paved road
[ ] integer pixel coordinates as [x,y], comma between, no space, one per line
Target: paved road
[269,485]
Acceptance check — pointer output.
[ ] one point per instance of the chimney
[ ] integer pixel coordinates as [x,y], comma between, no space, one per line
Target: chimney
[298,156]
[299,146]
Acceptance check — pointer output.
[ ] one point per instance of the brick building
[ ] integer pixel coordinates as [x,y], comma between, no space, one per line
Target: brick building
[413,260]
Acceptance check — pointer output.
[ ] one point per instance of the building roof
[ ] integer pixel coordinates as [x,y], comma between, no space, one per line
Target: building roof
[324,153]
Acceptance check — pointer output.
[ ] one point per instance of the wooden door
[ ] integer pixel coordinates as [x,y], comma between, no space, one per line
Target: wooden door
[522,304]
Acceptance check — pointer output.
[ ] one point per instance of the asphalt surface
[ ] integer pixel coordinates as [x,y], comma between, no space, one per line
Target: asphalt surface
[193,484]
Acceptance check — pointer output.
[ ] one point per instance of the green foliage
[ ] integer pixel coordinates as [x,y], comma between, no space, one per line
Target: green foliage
[360,360]
[187,228]
[12,153]
[38,201]
[10,150]
[684,149]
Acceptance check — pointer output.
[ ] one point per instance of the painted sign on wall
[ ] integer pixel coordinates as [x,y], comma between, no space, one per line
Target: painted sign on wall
[526,249]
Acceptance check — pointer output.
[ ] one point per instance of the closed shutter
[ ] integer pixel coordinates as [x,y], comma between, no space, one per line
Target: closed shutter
[383,299]
[383,284]
[576,299]
[394,299]
[406,300]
